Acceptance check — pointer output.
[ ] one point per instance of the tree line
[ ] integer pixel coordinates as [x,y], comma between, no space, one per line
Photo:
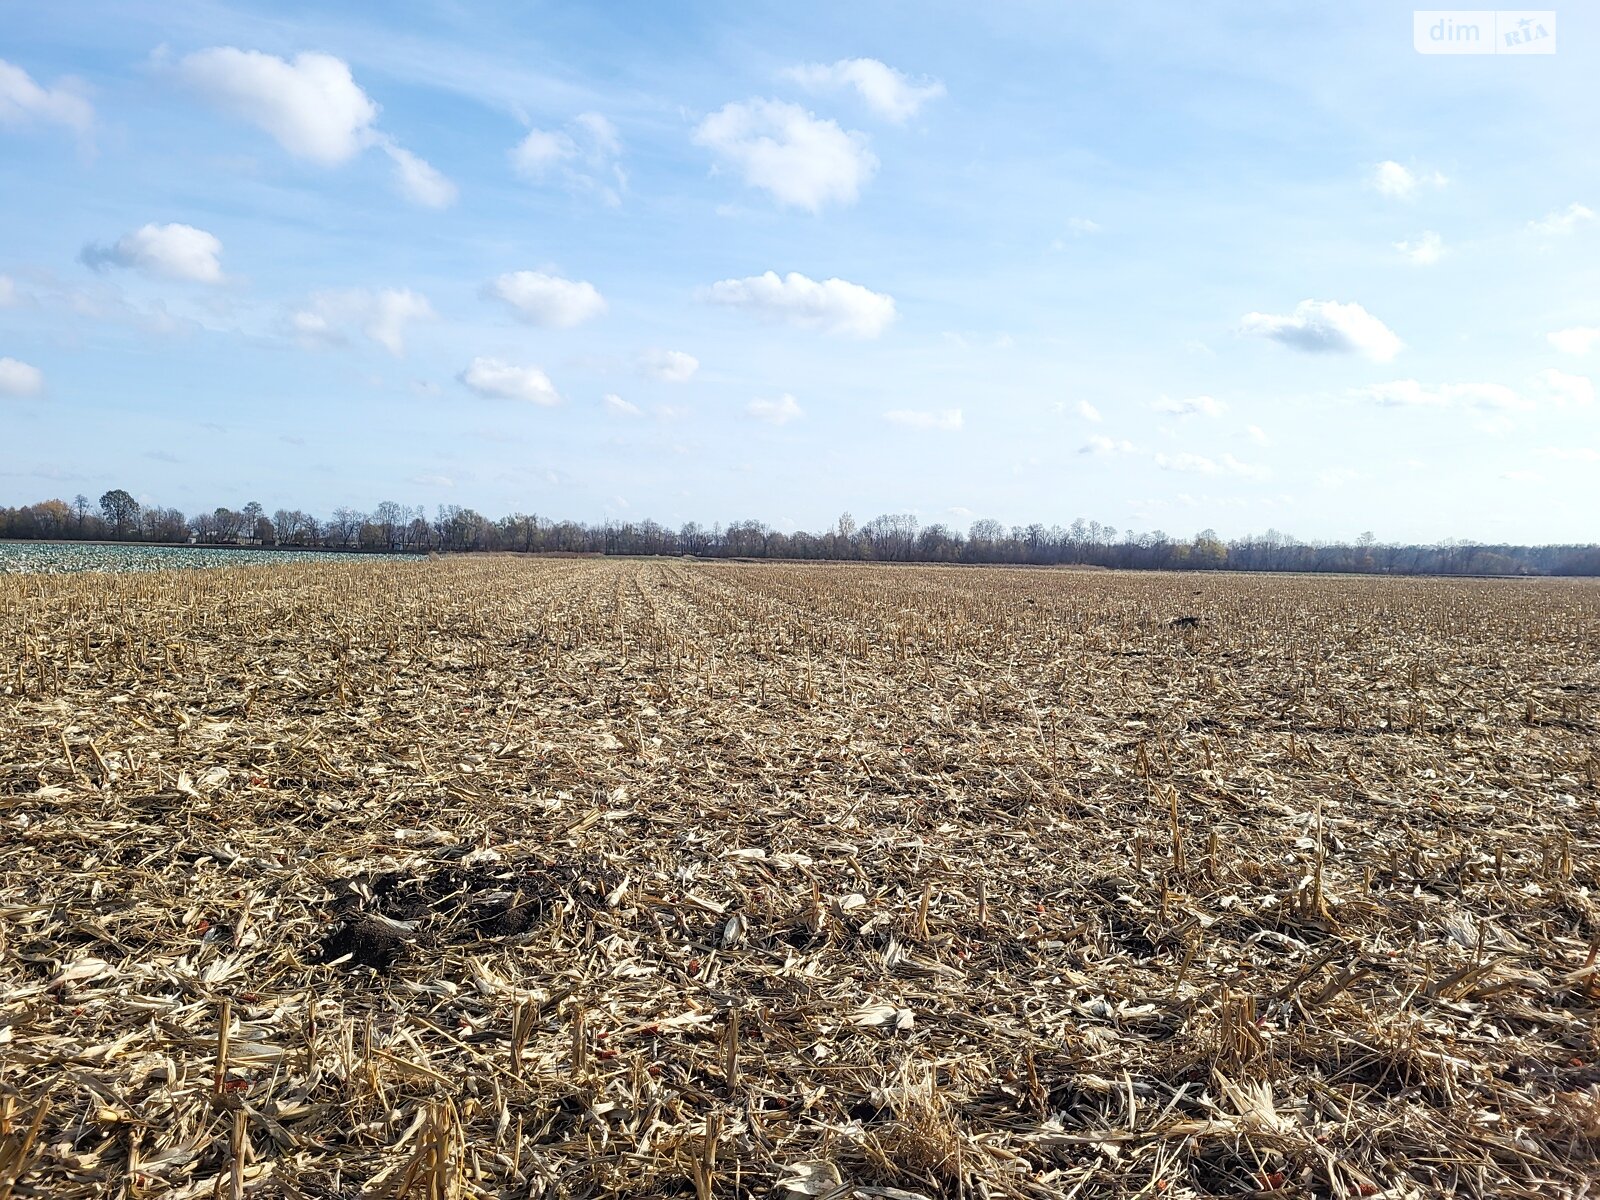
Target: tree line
[893,537]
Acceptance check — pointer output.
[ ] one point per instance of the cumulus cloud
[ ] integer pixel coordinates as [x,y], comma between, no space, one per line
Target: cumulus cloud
[1578,340]
[800,159]
[1089,412]
[380,315]
[1327,327]
[419,181]
[1082,226]
[1400,182]
[547,300]
[778,412]
[18,378]
[25,102]
[1258,435]
[1408,393]
[311,106]
[497,380]
[616,404]
[1199,464]
[832,306]
[948,419]
[1563,222]
[168,251]
[585,155]
[670,366]
[1102,447]
[888,92]
[1191,406]
[1425,250]
[1564,390]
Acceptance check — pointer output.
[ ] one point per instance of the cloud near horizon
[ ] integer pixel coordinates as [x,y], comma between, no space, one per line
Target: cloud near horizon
[946,419]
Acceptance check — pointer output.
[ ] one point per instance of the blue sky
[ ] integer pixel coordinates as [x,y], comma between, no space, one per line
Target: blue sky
[1258,266]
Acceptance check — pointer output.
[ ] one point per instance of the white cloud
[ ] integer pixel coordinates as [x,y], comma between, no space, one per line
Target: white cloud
[434,481]
[1199,464]
[1258,435]
[779,412]
[312,107]
[616,404]
[1522,476]
[1327,327]
[888,92]
[381,315]
[168,251]
[1425,251]
[1101,447]
[548,300]
[801,160]
[1400,182]
[1082,226]
[1408,393]
[419,181]
[1578,340]
[960,512]
[8,292]
[1573,453]
[24,102]
[1337,477]
[585,155]
[670,366]
[1089,412]
[497,380]
[1564,221]
[540,150]
[1564,390]
[948,419]
[18,378]
[1203,406]
[833,306]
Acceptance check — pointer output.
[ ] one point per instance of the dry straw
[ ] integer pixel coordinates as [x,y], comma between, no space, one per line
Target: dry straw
[489,877]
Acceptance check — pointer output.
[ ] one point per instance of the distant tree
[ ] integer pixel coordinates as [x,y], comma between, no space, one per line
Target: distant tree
[250,523]
[120,511]
[205,527]
[80,506]
[390,518]
[345,527]
[227,524]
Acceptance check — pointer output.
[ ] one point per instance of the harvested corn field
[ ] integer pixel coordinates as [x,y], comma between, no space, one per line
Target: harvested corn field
[496,877]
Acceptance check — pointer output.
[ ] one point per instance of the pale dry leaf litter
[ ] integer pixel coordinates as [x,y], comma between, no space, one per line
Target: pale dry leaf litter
[493,877]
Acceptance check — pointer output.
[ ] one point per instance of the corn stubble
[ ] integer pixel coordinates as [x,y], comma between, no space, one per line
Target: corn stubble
[492,877]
